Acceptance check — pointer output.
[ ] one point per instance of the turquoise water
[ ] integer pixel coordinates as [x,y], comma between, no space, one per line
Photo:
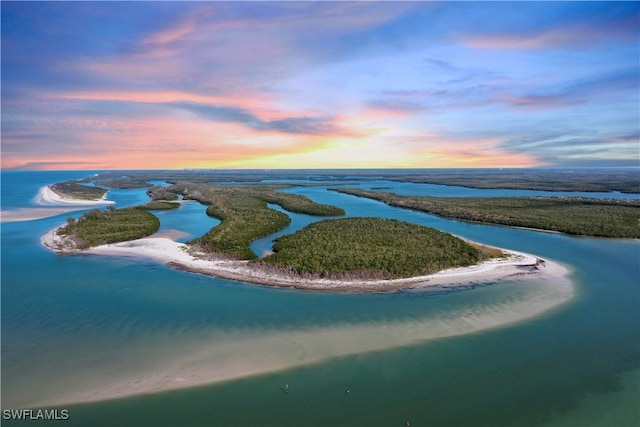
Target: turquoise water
[72,323]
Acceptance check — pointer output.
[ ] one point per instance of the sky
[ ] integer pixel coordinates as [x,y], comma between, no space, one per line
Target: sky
[173,85]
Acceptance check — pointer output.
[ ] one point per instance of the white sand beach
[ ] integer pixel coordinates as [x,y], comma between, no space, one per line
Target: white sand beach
[53,203]
[47,196]
[181,257]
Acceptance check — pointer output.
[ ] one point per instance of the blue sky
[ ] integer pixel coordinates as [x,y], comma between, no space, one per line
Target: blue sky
[126,85]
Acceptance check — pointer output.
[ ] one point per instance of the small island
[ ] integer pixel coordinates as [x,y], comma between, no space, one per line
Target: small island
[372,248]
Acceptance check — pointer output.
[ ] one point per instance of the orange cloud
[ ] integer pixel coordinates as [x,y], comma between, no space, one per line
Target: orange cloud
[480,153]
[167,143]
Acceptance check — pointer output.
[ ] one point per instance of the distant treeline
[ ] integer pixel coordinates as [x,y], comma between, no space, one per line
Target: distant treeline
[588,180]
[544,179]
[371,248]
[580,216]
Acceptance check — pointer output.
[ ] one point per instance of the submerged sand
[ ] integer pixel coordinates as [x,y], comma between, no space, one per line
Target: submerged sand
[219,356]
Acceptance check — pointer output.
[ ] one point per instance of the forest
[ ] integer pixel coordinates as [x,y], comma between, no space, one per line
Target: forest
[371,248]
[244,214]
[570,215]
[160,205]
[586,180]
[73,189]
[625,180]
[99,227]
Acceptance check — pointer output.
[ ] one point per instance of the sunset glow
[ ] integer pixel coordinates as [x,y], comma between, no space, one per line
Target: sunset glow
[170,85]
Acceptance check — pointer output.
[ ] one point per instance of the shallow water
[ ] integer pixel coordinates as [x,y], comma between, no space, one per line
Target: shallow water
[78,323]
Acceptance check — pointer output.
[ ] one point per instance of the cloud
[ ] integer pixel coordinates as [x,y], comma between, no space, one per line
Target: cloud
[633,138]
[296,125]
[583,91]
[223,83]
[579,33]
[569,149]
[215,108]
[171,34]
[394,107]
[45,165]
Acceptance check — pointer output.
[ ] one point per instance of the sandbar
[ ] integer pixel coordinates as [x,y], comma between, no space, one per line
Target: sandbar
[221,355]
[55,205]
[179,256]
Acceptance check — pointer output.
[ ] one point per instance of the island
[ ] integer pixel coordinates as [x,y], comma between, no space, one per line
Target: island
[56,199]
[355,254]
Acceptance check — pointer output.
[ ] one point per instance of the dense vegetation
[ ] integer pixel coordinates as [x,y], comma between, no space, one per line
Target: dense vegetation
[243,219]
[298,204]
[124,183]
[160,206]
[98,227]
[581,216]
[560,179]
[74,190]
[161,193]
[370,248]
[591,180]
[244,214]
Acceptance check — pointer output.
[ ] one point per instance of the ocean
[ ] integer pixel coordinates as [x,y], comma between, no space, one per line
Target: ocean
[74,327]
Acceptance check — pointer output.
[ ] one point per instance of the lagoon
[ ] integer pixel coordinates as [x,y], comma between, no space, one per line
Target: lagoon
[72,323]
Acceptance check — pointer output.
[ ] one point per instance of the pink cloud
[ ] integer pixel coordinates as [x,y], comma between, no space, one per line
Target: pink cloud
[172,34]
[540,102]
[166,142]
[164,97]
[443,151]
[575,35]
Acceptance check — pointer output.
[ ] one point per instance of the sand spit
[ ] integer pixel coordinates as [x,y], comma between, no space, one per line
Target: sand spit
[31,214]
[47,196]
[55,205]
[181,257]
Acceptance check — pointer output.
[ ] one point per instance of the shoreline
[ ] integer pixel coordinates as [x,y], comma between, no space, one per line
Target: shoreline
[178,256]
[48,197]
[52,204]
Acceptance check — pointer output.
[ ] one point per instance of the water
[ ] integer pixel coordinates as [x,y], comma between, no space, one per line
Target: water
[190,218]
[76,322]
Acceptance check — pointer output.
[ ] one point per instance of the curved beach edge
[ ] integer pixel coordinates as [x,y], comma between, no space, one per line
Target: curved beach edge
[48,197]
[52,204]
[179,256]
